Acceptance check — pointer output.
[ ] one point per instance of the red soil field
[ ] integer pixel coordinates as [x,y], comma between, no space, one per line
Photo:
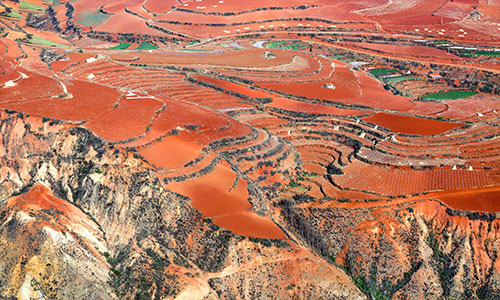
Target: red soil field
[312,108]
[126,121]
[211,125]
[89,101]
[456,10]
[74,57]
[415,51]
[422,9]
[477,199]
[250,224]
[13,50]
[464,108]
[115,6]
[391,181]
[351,87]
[428,108]
[238,6]
[411,125]
[241,58]
[30,88]
[126,23]
[234,87]
[231,129]
[328,12]
[213,195]
[7,73]
[165,154]
[159,6]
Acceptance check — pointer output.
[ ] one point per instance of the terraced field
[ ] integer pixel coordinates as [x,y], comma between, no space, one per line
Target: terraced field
[325,129]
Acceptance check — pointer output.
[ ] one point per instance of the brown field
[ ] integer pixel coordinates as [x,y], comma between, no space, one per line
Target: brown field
[411,125]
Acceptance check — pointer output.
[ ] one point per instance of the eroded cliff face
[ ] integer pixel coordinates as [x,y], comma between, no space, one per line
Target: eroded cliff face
[49,247]
[409,250]
[92,221]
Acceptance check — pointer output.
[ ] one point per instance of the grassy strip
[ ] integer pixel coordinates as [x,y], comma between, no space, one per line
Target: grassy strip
[93,18]
[382,72]
[479,53]
[44,42]
[455,94]
[440,42]
[401,79]
[276,45]
[121,46]
[296,46]
[15,14]
[27,5]
[195,50]
[146,46]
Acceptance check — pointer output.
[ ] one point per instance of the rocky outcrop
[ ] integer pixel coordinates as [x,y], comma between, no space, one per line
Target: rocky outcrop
[411,250]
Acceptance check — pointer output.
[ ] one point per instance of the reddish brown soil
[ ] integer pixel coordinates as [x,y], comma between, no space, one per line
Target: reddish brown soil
[165,154]
[415,51]
[13,49]
[478,199]
[213,195]
[351,87]
[234,87]
[242,58]
[39,197]
[73,58]
[312,108]
[126,23]
[130,119]
[160,6]
[411,125]
[89,100]
[250,224]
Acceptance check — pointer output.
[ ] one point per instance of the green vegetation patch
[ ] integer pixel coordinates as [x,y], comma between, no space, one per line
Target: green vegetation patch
[276,44]
[9,12]
[382,72]
[479,53]
[27,5]
[296,46]
[121,46]
[401,79]
[92,18]
[440,42]
[192,43]
[455,94]
[44,42]
[290,45]
[196,50]
[146,46]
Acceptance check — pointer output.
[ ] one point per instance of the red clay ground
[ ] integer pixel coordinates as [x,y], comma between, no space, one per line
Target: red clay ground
[213,195]
[312,108]
[415,51]
[39,197]
[165,154]
[478,199]
[130,119]
[411,125]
